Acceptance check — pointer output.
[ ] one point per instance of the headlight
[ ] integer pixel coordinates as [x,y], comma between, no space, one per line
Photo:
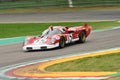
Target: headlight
[25,42]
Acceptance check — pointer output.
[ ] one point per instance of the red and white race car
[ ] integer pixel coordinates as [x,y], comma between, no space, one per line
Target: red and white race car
[57,36]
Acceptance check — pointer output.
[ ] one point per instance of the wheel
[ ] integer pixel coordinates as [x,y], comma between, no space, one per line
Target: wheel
[82,37]
[62,42]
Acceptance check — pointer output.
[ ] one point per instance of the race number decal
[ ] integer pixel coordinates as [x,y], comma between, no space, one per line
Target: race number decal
[69,38]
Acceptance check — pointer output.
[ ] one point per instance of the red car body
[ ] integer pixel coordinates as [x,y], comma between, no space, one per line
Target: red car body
[57,36]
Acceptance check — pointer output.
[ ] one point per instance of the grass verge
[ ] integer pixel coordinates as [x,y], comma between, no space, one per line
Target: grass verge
[109,62]
[52,9]
[26,29]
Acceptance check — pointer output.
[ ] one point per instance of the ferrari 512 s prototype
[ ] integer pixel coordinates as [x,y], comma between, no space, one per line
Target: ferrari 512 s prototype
[57,36]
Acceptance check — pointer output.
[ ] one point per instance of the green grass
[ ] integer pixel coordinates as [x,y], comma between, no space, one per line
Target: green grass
[26,29]
[109,62]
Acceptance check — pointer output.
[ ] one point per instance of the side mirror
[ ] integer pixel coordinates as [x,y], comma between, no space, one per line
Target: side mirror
[66,27]
[51,28]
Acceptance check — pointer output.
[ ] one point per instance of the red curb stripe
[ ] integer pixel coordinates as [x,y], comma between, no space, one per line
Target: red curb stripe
[12,74]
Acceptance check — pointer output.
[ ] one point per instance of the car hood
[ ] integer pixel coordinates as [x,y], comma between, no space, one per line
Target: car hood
[36,40]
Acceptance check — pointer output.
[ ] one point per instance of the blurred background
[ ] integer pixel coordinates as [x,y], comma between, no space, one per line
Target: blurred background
[11,4]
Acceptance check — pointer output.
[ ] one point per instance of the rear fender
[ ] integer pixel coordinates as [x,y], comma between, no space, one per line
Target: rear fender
[87,29]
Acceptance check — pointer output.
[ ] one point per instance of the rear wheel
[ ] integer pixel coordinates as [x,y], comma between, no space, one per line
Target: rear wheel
[82,37]
[62,42]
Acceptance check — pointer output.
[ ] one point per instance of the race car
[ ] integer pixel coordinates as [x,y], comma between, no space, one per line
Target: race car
[57,36]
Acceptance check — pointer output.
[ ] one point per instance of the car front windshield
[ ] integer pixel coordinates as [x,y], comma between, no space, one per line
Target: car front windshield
[49,32]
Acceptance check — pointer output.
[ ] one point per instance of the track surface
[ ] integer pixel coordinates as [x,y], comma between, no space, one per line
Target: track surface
[12,54]
[82,15]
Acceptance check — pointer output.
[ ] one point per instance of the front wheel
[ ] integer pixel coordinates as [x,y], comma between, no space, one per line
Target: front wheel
[62,42]
[82,37]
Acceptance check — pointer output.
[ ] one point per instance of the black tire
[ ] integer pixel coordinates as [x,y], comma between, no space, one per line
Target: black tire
[82,37]
[62,42]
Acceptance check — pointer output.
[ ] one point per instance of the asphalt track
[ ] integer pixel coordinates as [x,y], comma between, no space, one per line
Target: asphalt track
[13,54]
[75,15]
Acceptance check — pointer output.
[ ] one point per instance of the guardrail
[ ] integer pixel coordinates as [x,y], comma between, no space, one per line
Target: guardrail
[8,4]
